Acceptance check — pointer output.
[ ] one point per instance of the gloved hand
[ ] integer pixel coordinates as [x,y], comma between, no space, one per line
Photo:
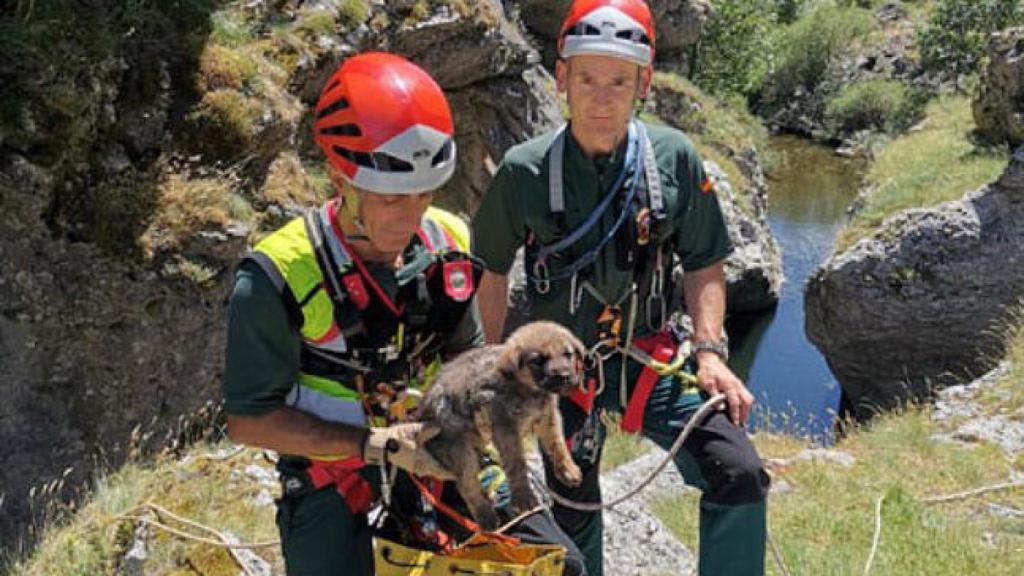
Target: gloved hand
[402,445]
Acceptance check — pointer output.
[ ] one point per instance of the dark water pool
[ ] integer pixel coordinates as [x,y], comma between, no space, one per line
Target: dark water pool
[808,193]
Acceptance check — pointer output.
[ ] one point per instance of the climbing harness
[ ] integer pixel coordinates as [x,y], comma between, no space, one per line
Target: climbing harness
[643,200]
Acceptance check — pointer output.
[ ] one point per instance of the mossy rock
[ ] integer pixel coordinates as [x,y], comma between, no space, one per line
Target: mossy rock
[223,124]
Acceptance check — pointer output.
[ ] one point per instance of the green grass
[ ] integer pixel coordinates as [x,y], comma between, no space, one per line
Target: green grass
[619,447]
[213,493]
[937,163]
[1008,400]
[826,523]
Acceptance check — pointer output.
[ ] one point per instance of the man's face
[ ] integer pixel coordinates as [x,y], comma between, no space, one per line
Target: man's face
[389,220]
[601,91]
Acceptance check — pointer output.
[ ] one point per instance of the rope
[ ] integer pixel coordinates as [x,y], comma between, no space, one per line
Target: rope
[974,492]
[222,541]
[702,413]
[877,536]
[777,554]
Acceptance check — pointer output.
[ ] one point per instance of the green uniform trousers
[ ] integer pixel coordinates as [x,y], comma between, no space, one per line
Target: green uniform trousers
[717,458]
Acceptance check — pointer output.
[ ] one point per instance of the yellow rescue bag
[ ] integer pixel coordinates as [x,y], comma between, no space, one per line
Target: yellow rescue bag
[479,555]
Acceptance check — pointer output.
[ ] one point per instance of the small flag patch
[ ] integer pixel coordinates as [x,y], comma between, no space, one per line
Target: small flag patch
[707,187]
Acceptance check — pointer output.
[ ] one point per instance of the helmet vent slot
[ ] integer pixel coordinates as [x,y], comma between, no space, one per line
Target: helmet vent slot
[341,130]
[340,104]
[444,154]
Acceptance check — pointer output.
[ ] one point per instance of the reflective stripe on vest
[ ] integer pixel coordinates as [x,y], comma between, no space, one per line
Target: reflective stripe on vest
[327,400]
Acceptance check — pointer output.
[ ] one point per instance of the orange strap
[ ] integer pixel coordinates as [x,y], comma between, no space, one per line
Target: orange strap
[459,518]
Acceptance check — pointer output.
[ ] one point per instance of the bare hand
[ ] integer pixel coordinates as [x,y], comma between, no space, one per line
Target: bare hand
[714,376]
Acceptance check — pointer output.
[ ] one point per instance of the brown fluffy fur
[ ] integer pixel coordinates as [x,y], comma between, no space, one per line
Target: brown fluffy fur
[503,393]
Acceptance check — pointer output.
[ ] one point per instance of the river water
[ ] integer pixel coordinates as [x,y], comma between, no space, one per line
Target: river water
[809,190]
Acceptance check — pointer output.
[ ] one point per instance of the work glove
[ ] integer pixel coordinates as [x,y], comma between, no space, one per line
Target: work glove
[402,445]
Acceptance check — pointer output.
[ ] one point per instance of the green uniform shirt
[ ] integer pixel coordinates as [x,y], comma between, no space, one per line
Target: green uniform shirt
[516,205]
[263,349]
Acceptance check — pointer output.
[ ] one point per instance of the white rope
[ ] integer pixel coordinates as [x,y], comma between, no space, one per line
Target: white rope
[704,410]
[221,540]
[974,492]
[877,536]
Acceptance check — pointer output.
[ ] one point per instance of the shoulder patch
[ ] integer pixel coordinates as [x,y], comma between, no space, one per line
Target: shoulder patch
[707,186]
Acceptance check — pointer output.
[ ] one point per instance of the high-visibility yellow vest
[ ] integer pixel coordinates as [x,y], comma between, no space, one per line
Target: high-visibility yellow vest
[289,257]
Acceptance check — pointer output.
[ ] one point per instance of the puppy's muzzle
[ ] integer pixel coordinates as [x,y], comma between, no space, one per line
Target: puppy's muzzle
[561,381]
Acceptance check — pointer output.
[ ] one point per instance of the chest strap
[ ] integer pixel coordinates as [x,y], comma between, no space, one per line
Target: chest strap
[641,158]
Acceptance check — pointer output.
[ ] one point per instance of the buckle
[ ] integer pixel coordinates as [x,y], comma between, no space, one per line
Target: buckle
[609,325]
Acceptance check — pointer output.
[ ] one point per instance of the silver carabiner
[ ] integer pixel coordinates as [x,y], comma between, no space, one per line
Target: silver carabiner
[650,304]
[656,297]
[541,279]
[575,294]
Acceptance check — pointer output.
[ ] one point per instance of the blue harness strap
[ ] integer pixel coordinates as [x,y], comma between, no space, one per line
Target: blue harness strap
[642,165]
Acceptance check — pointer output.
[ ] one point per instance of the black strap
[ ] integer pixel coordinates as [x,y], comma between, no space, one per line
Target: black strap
[291,305]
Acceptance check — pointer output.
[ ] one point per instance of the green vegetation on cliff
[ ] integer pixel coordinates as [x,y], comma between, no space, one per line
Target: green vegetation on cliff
[936,162]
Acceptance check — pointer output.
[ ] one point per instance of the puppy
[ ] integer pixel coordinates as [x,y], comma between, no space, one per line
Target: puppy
[501,394]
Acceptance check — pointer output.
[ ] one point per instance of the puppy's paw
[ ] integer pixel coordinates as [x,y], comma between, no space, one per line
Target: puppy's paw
[569,473]
[487,518]
[524,500]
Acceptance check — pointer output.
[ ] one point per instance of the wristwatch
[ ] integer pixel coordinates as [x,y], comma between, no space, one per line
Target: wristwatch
[719,347]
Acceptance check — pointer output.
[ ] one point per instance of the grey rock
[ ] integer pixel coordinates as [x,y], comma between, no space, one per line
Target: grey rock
[914,307]
[754,269]
[253,564]
[490,118]
[999,104]
[636,542]
[459,51]
[957,409]
[891,12]
[133,563]
[816,455]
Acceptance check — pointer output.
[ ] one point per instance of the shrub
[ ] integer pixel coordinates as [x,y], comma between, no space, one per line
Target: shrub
[954,39]
[734,54]
[884,105]
[811,44]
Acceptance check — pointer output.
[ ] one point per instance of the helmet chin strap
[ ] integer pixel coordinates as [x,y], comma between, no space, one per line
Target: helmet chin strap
[351,205]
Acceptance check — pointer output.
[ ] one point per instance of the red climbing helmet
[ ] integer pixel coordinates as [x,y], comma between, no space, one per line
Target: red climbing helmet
[385,125]
[618,28]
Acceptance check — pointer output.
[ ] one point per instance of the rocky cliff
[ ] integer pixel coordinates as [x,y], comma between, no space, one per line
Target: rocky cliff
[999,105]
[142,148]
[919,304]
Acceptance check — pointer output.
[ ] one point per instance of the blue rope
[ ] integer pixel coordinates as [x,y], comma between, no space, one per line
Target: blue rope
[588,257]
[632,154]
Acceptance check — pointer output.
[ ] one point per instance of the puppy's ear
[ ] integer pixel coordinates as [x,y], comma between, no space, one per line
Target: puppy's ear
[509,361]
[580,353]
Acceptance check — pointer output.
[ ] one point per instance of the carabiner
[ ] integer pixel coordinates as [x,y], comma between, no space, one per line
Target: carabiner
[541,278]
[662,311]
